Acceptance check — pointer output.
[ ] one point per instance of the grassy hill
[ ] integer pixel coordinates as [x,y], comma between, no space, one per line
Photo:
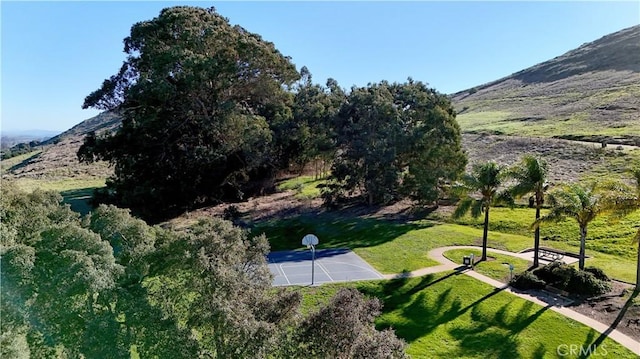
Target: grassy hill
[591,93]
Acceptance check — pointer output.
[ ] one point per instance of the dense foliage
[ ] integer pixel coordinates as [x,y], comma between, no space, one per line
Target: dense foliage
[566,277]
[211,112]
[393,141]
[204,106]
[109,285]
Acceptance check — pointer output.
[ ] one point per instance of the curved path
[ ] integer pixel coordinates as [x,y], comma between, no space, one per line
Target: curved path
[555,303]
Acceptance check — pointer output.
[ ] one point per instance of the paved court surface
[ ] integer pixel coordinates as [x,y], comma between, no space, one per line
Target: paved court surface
[331,265]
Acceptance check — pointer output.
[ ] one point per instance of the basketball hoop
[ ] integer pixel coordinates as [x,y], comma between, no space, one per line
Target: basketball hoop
[311,241]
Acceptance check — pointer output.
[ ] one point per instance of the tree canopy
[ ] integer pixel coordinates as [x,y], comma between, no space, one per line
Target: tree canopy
[203,105]
[393,141]
[108,284]
[212,112]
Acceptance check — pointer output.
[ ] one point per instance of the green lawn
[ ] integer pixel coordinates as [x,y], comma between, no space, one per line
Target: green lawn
[608,243]
[450,315]
[60,185]
[497,266]
[306,187]
[389,247]
[392,247]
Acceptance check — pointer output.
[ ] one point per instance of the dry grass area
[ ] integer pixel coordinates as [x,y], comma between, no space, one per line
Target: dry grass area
[568,161]
[57,162]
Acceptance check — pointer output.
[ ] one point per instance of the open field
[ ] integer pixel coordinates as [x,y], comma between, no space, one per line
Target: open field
[392,247]
[454,316]
[496,267]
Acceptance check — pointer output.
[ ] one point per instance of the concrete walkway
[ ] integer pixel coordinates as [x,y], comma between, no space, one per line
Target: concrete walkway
[554,303]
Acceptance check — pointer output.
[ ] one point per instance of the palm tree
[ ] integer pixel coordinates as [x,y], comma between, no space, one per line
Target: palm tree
[585,202]
[485,179]
[531,178]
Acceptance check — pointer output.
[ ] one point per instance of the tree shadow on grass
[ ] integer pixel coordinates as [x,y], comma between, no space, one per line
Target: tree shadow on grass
[79,199]
[421,312]
[397,292]
[496,336]
[24,162]
[333,231]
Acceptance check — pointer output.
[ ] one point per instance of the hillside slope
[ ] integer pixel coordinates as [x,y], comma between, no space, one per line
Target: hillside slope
[58,157]
[590,93]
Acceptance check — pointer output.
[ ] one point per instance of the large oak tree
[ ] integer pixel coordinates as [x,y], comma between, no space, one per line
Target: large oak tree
[203,104]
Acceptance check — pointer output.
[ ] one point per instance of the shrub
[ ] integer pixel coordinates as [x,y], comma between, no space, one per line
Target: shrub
[598,273]
[232,213]
[562,274]
[585,283]
[550,273]
[527,280]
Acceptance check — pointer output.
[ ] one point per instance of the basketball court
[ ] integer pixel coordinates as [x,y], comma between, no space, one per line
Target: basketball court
[331,265]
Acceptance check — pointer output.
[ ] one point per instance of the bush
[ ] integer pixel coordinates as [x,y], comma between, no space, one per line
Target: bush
[598,273]
[527,280]
[555,273]
[232,213]
[585,283]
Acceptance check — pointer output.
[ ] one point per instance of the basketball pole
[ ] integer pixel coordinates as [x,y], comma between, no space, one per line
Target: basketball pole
[313,260]
[310,241]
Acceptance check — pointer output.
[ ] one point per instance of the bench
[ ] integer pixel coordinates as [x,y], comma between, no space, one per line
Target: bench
[554,254]
[633,321]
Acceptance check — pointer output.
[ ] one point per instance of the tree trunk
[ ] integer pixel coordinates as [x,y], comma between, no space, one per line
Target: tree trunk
[583,241]
[536,238]
[484,234]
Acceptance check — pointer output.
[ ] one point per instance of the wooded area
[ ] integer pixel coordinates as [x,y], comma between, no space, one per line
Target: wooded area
[212,113]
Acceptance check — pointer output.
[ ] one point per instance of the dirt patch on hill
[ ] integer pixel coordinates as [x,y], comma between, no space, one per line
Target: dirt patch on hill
[568,160]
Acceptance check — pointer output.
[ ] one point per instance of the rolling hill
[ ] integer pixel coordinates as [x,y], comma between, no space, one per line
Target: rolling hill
[591,93]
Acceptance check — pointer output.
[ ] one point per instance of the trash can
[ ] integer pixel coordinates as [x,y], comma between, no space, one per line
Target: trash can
[466,260]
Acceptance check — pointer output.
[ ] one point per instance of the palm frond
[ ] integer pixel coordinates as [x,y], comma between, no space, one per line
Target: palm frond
[504,197]
[476,209]
[463,207]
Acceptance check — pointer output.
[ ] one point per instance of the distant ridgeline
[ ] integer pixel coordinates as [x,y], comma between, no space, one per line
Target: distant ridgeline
[19,144]
[591,93]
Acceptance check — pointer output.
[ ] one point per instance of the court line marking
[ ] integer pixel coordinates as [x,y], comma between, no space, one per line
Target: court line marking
[357,266]
[285,276]
[325,271]
[278,269]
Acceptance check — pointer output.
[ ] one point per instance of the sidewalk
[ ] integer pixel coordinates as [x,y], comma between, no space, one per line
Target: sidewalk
[553,304]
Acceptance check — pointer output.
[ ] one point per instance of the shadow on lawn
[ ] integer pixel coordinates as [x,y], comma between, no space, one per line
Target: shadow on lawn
[422,312]
[79,199]
[492,334]
[332,230]
[496,336]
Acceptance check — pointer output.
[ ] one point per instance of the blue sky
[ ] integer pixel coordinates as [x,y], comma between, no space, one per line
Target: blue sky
[56,53]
